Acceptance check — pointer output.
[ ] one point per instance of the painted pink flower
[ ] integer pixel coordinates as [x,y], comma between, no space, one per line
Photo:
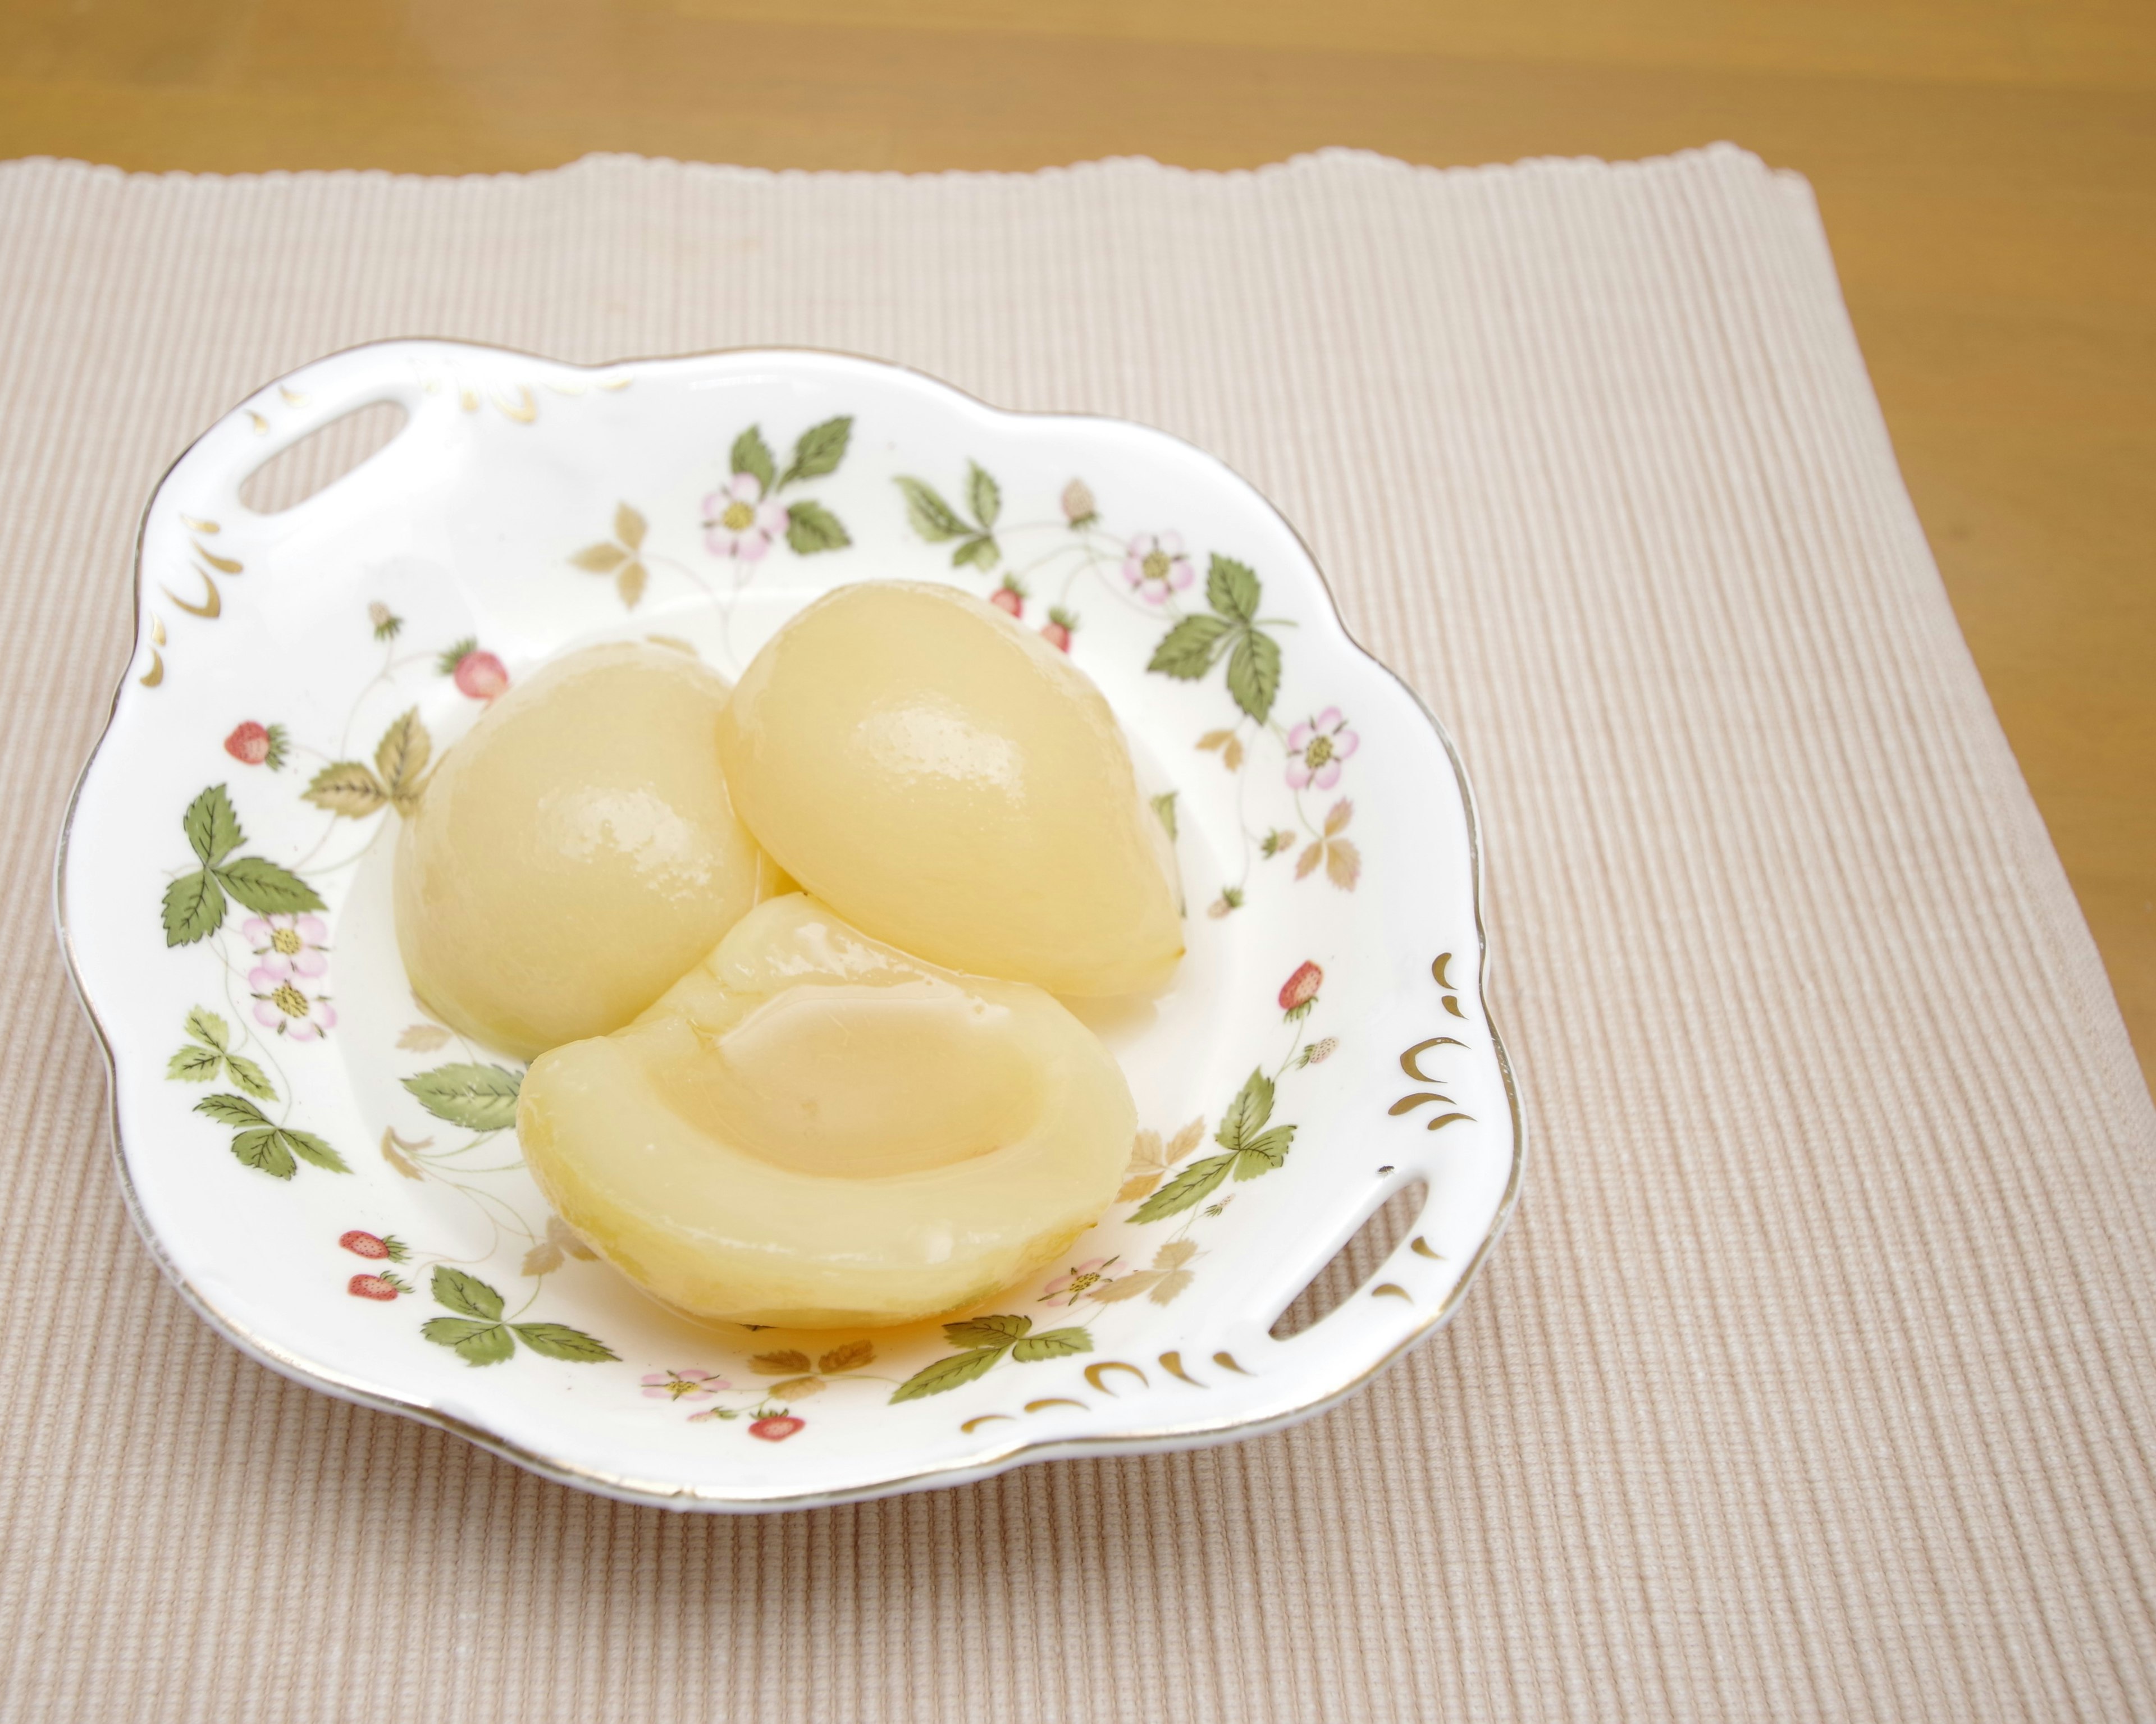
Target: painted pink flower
[1316,749]
[279,1005]
[682,1385]
[738,523]
[1075,1281]
[288,945]
[1154,563]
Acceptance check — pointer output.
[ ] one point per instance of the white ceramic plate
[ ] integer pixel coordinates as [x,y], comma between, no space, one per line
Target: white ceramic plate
[319,1166]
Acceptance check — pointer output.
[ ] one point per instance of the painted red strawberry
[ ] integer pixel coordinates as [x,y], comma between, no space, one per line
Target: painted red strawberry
[776,1428]
[373,1245]
[372,1287]
[1057,630]
[1009,597]
[255,745]
[1300,992]
[248,742]
[481,676]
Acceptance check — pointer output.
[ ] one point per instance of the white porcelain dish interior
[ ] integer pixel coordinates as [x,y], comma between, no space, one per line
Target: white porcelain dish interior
[331,1177]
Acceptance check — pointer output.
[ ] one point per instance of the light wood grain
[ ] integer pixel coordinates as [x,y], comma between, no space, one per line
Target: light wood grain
[1987,172]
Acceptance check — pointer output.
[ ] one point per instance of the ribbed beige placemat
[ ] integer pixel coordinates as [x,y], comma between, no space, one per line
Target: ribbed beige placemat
[1815,1380]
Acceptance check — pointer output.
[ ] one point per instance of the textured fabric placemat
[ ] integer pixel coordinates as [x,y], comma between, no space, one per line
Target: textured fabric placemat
[1815,1380]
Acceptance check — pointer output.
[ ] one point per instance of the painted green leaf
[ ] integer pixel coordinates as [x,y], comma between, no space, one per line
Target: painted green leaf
[250,1077]
[231,1111]
[1231,589]
[1263,1153]
[1186,650]
[466,1295]
[265,1148]
[790,1361]
[819,450]
[473,1342]
[212,828]
[1254,673]
[313,1150]
[402,755]
[753,454]
[1164,806]
[810,527]
[348,788]
[983,495]
[194,1063]
[1188,1187]
[1052,1344]
[266,889]
[204,1025]
[483,1097]
[932,518]
[558,1341]
[986,1331]
[1247,1114]
[194,908]
[947,1374]
[980,551]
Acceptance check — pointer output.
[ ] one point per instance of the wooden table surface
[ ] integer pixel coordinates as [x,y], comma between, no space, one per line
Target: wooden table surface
[1987,168]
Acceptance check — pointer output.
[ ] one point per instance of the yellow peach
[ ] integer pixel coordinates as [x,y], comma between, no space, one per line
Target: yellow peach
[947,781]
[812,1129]
[576,852]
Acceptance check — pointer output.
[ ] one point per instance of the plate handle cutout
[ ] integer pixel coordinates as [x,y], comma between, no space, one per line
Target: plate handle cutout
[1354,1263]
[321,458]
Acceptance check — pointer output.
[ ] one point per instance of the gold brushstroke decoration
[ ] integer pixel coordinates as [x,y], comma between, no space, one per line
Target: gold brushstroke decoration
[1408,1104]
[617,383]
[1420,1247]
[973,1424]
[567,388]
[292,397]
[1391,1289]
[155,674]
[1172,1364]
[1226,1361]
[1444,1120]
[1407,1059]
[1042,1406]
[525,412]
[260,425]
[223,565]
[212,609]
[156,629]
[467,399]
[1452,1006]
[1094,1373]
[1437,970]
[194,526]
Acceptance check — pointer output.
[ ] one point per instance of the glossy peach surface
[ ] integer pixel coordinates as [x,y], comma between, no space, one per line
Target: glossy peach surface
[814,1129]
[576,852]
[952,783]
